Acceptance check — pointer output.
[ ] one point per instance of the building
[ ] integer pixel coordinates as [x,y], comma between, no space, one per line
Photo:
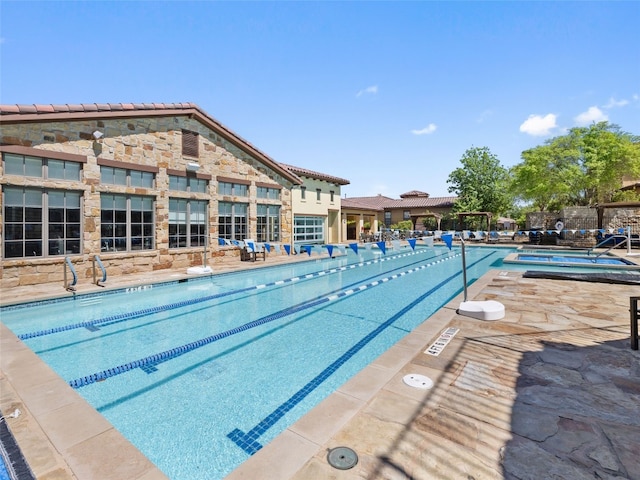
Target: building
[142,186]
[369,214]
[316,207]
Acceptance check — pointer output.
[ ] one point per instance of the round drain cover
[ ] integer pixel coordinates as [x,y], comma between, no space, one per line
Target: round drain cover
[342,458]
[418,381]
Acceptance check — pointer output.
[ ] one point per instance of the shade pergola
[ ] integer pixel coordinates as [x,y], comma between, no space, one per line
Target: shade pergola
[416,217]
[463,215]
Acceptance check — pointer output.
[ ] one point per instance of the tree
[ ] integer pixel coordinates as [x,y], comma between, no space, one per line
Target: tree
[584,167]
[481,183]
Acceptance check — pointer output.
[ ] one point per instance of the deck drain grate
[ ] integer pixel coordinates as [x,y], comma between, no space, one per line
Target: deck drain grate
[342,458]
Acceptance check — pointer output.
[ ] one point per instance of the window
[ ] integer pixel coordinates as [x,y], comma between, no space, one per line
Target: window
[29,166]
[234,189]
[127,223]
[190,143]
[126,177]
[41,223]
[187,223]
[387,218]
[406,215]
[269,193]
[232,220]
[331,195]
[308,230]
[268,223]
[188,184]
[303,192]
[318,194]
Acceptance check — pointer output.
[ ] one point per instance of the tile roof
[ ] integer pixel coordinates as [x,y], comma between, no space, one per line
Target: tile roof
[420,202]
[414,193]
[317,175]
[66,112]
[381,202]
[365,203]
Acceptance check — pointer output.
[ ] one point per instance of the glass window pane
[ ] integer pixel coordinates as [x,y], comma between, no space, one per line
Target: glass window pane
[33,197]
[13,164]
[55,168]
[33,214]
[13,214]
[119,202]
[119,176]
[33,166]
[73,246]
[73,215]
[56,199]
[56,215]
[13,250]
[106,174]
[33,249]
[13,231]
[13,196]
[72,170]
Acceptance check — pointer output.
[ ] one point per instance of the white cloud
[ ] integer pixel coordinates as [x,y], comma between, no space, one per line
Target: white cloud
[539,126]
[593,114]
[428,130]
[373,89]
[615,103]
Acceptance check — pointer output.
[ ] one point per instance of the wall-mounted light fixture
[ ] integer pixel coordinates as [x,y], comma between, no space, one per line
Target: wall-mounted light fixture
[98,134]
[193,167]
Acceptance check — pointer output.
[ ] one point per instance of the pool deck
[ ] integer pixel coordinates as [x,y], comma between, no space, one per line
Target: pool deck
[552,390]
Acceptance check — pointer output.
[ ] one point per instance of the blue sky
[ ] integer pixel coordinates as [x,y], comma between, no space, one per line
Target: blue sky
[388,95]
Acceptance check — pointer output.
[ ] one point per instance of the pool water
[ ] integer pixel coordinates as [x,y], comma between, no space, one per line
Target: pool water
[585,260]
[199,375]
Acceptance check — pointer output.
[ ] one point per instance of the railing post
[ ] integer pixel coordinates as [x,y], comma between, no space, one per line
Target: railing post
[635,315]
[96,258]
[70,286]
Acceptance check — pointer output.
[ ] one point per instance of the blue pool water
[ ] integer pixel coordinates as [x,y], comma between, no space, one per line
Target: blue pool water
[199,375]
[577,260]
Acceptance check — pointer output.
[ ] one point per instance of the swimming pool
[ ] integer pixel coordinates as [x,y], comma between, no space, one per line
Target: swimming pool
[571,259]
[200,374]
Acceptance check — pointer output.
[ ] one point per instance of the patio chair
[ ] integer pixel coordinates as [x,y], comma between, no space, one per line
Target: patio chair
[254,249]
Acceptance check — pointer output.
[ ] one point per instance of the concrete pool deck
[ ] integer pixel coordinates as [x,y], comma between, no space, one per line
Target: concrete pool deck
[550,391]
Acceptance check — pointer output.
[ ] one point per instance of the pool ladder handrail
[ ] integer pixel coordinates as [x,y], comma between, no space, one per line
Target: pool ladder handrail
[608,239]
[70,286]
[96,259]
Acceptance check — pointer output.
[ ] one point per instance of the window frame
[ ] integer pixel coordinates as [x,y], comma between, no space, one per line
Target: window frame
[268,223]
[127,218]
[43,167]
[188,234]
[126,173]
[36,231]
[234,224]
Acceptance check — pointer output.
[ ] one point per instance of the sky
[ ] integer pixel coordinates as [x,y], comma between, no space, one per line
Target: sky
[387,95]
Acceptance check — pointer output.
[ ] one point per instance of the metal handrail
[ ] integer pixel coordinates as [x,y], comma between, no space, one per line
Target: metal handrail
[615,245]
[70,286]
[96,258]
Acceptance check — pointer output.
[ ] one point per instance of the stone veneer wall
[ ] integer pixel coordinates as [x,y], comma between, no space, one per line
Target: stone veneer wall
[613,219]
[150,141]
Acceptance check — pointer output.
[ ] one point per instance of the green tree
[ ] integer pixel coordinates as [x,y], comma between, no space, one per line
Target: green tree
[584,167]
[481,183]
